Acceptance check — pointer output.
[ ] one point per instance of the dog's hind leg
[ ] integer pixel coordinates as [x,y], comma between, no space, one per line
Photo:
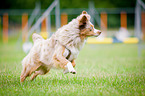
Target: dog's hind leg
[35,75]
[39,72]
[27,71]
[22,77]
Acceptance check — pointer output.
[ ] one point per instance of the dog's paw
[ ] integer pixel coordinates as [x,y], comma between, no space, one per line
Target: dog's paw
[69,68]
[67,71]
[73,72]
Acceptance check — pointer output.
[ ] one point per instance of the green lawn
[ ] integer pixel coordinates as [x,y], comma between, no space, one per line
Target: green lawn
[105,70]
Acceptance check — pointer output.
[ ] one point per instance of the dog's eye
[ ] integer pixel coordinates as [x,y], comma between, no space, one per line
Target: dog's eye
[91,27]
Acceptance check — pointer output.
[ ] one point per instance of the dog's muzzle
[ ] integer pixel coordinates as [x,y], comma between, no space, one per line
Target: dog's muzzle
[97,32]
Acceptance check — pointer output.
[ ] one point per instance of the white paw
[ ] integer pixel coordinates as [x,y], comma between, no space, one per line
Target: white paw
[67,71]
[73,72]
[69,68]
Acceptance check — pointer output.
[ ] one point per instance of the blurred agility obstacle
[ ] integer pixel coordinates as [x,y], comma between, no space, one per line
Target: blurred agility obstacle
[131,40]
[55,5]
[0,24]
[5,28]
[43,21]
[24,27]
[26,23]
[100,41]
[101,15]
[64,19]
[140,25]
[104,24]
[143,24]
[44,27]
[123,20]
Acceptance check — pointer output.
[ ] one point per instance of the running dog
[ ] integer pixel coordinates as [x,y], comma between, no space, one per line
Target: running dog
[60,50]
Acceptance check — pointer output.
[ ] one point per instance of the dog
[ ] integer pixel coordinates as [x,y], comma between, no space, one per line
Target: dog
[60,50]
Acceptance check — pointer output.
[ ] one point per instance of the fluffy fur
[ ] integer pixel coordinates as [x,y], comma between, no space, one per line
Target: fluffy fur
[60,50]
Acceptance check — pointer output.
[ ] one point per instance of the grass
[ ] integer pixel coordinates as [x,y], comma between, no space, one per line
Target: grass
[105,70]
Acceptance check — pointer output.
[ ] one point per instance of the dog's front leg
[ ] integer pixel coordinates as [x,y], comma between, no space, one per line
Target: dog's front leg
[73,64]
[69,68]
[64,63]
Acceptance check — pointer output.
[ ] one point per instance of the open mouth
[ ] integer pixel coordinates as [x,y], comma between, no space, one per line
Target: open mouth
[96,35]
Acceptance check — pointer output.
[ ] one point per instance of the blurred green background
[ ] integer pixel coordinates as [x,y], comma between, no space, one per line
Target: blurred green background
[30,4]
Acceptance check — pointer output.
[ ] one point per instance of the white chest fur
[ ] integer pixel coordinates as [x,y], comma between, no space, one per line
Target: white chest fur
[74,54]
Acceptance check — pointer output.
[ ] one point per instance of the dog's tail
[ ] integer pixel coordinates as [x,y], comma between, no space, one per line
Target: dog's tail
[36,37]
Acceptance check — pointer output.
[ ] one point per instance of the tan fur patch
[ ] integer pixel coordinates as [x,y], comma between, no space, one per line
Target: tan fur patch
[84,12]
[73,63]
[87,32]
[60,60]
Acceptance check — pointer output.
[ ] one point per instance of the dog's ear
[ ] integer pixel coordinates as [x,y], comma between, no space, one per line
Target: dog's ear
[83,22]
[84,12]
[83,19]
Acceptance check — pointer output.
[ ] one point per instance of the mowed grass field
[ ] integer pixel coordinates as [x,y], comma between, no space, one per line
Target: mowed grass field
[113,69]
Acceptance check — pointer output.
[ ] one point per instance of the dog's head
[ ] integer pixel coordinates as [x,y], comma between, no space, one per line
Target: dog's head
[86,27]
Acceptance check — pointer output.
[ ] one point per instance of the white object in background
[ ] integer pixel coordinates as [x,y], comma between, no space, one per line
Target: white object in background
[27,46]
[122,34]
